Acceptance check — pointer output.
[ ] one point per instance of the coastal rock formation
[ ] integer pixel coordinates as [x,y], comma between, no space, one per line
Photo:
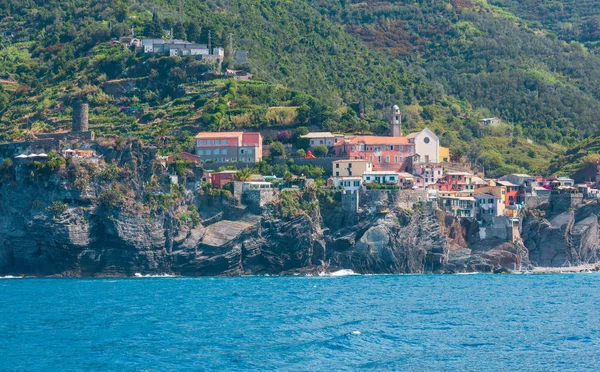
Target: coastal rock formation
[95,220]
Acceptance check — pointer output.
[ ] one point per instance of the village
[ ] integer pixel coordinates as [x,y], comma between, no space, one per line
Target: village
[414,168]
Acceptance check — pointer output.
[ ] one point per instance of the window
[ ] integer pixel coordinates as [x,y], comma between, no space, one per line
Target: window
[337,174]
[224,142]
[224,151]
[453,177]
[396,159]
[200,152]
[371,159]
[233,159]
[426,179]
[387,159]
[200,142]
[491,201]
[392,178]
[216,151]
[426,140]
[368,178]
[350,173]
[401,148]
[249,151]
[241,151]
[356,183]
[208,142]
[337,165]
[208,152]
[217,142]
[349,165]
[460,177]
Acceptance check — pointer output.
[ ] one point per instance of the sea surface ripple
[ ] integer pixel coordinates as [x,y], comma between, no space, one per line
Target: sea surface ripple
[404,322]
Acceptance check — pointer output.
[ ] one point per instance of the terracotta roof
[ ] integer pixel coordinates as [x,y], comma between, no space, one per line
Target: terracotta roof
[379,140]
[218,134]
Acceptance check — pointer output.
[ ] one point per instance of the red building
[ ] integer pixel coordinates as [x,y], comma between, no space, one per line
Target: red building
[513,192]
[385,153]
[185,156]
[456,181]
[220,179]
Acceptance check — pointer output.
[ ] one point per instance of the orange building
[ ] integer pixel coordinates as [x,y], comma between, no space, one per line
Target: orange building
[385,153]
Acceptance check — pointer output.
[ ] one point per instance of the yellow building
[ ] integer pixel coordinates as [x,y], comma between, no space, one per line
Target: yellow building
[351,167]
[444,154]
[498,191]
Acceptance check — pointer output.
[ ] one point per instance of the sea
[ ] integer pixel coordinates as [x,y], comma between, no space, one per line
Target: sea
[326,323]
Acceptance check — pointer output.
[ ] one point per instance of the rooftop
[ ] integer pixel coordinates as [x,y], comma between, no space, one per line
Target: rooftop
[506,183]
[319,135]
[382,173]
[351,160]
[458,174]
[218,134]
[379,140]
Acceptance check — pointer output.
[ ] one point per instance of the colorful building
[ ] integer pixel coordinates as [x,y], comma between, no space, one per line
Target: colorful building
[512,192]
[220,179]
[488,206]
[456,181]
[458,206]
[229,147]
[351,184]
[430,173]
[385,153]
[444,154]
[350,167]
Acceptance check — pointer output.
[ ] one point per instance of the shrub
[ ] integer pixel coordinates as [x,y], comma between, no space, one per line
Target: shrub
[320,150]
[301,153]
[57,208]
[277,149]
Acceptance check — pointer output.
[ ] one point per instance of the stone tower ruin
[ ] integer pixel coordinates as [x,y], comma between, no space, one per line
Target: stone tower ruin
[80,117]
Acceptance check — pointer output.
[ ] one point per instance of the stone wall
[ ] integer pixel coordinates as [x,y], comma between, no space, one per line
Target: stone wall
[532,202]
[562,202]
[259,198]
[405,199]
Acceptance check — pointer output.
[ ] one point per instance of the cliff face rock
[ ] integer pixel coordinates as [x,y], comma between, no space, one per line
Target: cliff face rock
[566,239]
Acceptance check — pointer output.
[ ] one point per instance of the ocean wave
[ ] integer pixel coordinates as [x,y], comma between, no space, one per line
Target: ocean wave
[11,277]
[343,272]
[139,275]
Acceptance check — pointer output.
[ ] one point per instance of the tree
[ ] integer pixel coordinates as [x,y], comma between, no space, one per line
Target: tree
[301,153]
[277,149]
[243,174]
[320,150]
[193,32]
[179,31]
[154,28]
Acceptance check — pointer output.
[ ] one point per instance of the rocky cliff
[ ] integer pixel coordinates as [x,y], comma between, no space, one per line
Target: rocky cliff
[121,216]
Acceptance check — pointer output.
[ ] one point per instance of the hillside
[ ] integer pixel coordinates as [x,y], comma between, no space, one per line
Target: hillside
[338,66]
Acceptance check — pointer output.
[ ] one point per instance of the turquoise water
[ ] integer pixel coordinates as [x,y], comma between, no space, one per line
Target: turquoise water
[406,322]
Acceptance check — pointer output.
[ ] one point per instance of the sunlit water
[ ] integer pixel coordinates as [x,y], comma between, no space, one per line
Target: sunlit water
[406,322]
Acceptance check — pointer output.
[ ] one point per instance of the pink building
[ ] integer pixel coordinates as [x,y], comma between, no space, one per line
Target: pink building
[229,147]
[385,153]
[220,179]
[430,173]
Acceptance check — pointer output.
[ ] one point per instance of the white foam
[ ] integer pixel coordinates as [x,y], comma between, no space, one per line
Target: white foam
[11,277]
[343,272]
[138,275]
[356,332]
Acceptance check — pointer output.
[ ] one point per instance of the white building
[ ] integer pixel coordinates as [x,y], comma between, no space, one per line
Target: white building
[427,145]
[351,184]
[323,138]
[381,177]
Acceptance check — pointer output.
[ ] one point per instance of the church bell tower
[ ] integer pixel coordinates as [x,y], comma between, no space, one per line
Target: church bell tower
[396,122]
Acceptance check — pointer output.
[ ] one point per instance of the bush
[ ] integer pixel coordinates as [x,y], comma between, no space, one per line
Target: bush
[320,150]
[277,149]
[57,208]
[300,153]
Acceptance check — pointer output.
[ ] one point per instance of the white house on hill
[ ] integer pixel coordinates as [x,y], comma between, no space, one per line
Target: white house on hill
[427,145]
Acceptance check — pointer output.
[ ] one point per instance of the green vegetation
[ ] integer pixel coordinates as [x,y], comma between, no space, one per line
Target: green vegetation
[57,208]
[334,65]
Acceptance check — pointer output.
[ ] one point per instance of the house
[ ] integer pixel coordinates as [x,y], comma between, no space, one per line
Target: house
[220,179]
[239,74]
[185,156]
[458,206]
[351,184]
[385,153]
[525,182]
[488,206]
[511,193]
[560,182]
[496,190]
[430,173]
[406,180]
[351,167]
[229,147]
[480,182]
[427,145]
[456,181]
[381,177]
[444,154]
[323,138]
[490,122]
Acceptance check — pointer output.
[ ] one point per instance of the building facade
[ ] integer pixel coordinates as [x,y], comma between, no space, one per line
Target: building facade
[381,177]
[385,153]
[229,147]
[427,145]
[456,181]
[323,138]
[350,167]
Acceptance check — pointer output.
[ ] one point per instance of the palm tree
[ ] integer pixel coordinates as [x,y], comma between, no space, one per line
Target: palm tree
[243,174]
